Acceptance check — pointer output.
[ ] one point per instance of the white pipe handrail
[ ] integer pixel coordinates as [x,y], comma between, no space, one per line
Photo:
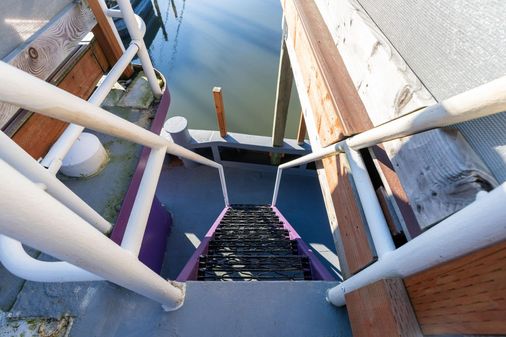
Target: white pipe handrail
[24,163]
[138,219]
[50,227]
[476,226]
[54,158]
[481,101]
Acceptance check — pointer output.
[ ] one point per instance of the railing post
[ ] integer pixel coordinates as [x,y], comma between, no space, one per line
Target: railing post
[138,38]
[478,225]
[107,35]
[50,227]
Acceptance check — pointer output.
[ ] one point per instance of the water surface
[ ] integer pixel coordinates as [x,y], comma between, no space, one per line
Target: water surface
[228,43]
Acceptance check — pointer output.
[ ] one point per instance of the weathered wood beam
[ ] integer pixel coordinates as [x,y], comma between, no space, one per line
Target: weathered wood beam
[283,91]
[320,115]
[44,52]
[463,296]
[107,37]
[336,105]
[301,131]
[439,172]
[382,309]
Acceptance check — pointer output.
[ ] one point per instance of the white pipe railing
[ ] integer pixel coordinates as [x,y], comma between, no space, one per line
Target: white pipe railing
[50,227]
[479,102]
[31,93]
[30,168]
[34,94]
[476,226]
[54,158]
[378,227]
[136,34]
[136,226]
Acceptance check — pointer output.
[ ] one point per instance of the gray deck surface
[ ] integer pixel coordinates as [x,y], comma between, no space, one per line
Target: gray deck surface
[211,309]
[194,198]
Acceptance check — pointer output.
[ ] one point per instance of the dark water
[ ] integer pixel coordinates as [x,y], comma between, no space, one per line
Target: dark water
[234,44]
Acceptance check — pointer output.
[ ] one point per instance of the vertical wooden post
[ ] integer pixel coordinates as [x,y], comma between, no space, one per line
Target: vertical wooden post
[106,37]
[220,111]
[284,88]
[301,133]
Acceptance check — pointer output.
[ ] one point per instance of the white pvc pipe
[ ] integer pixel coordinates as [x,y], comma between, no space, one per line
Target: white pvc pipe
[24,163]
[31,93]
[136,226]
[54,158]
[380,233]
[481,101]
[137,36]
[276,186]
[308,158]
[223,185]
[476,226]
[50,227]
[16,260]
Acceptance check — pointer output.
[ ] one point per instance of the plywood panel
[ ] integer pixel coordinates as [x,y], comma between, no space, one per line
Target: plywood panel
[382,309]
[44,54]
[463,296]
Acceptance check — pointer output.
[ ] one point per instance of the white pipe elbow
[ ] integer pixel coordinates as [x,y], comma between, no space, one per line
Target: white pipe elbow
[16,260]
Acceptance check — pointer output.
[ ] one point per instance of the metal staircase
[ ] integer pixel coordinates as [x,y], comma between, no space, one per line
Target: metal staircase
[251,243]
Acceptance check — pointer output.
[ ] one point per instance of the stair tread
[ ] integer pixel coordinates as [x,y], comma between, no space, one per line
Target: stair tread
[251,243]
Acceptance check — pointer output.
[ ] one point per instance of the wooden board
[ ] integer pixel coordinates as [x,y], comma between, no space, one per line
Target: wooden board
[395,192]
[40,132]
[44,54]
[439,172]
[107,38]
[382,309]
[335,103]
[463,296]
[352,228]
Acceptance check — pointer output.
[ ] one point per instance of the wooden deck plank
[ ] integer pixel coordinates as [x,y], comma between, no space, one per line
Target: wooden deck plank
[382,309]
[463,296]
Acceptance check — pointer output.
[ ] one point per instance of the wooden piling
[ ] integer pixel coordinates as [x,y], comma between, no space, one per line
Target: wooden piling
[283,91]
[301,133]
[220,111]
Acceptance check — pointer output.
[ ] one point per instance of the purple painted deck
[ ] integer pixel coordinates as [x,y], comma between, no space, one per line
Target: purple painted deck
[159,221]
[189,272]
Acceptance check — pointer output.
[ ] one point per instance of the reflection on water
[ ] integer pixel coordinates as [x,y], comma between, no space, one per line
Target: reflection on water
[234,44]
